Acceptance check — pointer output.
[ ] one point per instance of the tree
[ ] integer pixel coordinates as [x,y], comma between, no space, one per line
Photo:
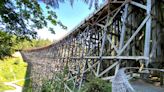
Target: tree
[34,43]
[6,44]
[55,3]
[10,44]
[23,17]
[19,19]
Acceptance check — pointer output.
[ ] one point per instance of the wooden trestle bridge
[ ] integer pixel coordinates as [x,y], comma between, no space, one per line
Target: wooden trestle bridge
[120,34]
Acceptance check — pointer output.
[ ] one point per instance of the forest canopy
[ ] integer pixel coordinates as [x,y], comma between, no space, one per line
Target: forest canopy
[19,20]
[10,44]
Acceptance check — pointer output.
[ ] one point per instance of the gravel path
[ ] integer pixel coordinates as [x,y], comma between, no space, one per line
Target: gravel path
[17,88]
[141,86]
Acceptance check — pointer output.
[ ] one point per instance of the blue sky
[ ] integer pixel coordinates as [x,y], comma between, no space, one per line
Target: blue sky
[69,16]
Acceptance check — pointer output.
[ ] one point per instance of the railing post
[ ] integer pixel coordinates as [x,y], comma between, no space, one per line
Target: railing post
[148,32]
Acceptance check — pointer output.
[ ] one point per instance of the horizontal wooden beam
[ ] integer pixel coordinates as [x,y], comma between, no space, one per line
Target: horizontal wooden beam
[113,57]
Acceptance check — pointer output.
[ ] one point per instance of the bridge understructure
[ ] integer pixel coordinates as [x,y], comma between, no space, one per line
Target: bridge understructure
[120,34]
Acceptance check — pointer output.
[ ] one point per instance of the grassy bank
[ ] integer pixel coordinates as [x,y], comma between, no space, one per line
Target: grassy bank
[12,68]
[4,87]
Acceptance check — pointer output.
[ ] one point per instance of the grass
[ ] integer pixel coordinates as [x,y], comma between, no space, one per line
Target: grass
[4,87]
[12,68]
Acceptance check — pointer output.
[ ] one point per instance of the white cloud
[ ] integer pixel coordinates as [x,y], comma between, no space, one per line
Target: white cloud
[45,34]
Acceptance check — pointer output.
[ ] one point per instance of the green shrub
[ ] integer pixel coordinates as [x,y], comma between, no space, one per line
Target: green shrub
[96,85]
[92,84]
[57,84]
[47,86]
[53,85]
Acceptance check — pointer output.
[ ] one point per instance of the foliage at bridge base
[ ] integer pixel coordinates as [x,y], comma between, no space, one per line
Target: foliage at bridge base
[96,85]
[92,84]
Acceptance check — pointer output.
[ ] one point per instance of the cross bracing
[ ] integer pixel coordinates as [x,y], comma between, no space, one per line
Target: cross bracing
[120,34]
